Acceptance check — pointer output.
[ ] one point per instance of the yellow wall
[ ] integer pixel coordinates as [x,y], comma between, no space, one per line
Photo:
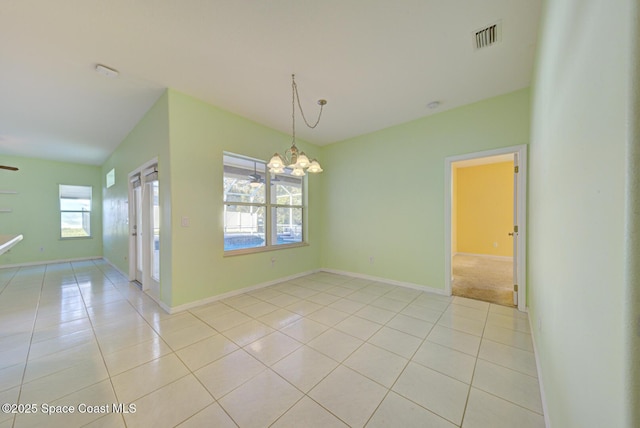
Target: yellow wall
[484,209]
[454,210]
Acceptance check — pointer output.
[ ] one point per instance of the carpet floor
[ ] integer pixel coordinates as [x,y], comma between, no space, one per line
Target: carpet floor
[483,278]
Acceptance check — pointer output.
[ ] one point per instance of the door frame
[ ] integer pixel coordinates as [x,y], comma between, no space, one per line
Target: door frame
[146,285]
[521,255]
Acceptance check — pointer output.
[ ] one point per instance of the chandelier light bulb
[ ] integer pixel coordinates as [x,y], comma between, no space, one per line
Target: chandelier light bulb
[303,160]
[315,167]
[297,172]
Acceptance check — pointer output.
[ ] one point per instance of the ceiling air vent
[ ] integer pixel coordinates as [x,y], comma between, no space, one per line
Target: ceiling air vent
[488,36]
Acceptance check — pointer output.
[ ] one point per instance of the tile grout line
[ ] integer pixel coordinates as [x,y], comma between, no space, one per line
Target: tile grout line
[409,360]
[329,327]
[473,373]
[285,356]
[173,351]
[95,336]
[306,394]
[33,326]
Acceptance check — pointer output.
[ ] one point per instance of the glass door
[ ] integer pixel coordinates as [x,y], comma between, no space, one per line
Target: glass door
[155,230]
[138,231]
[144,244]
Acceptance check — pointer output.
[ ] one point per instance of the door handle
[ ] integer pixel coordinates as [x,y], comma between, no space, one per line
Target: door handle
[510,233]
[134,234]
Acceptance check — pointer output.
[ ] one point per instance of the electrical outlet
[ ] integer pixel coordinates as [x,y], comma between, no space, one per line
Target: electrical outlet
[539,324]
[495,245]
[273,261]
[371,260]
[41,249]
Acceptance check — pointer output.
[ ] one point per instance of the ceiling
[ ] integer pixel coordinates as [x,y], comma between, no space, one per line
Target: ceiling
[377,62]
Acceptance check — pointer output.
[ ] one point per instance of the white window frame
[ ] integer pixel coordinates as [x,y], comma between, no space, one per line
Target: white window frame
[61,192]
[269,208]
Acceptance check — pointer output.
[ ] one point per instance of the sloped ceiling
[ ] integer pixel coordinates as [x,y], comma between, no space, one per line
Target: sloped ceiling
[378,63]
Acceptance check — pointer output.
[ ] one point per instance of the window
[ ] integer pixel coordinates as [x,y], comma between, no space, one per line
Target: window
[261,211]
[75,211]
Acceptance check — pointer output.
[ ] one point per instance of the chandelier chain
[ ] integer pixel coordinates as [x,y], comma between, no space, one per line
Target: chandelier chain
[295,96]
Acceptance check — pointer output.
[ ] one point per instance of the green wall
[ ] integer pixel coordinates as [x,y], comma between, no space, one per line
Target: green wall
[199,134]
[36,210]
[188,137]
[577,207]
[384,192]
[148,140]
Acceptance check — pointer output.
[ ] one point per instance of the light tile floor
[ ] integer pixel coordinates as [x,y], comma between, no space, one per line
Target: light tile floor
[319,351]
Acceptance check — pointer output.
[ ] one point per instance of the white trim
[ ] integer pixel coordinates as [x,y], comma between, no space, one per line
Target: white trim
[485,256]
[159,302]
[521,150]
[420,287]
[190,305]
[115,267]
[543,398]
[50,262]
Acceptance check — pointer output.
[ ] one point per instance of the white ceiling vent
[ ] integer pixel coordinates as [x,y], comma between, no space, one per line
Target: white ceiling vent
[487,36]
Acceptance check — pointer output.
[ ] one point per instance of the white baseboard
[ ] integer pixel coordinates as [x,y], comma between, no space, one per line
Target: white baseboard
[420,287]
[160,303]
[116,268]
[50,262]
[207,300]
[543,398]
[486,256]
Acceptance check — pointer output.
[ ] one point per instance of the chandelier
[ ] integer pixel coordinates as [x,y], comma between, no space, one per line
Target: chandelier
[293,158]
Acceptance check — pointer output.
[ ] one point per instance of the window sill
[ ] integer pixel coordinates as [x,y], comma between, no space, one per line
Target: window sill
[73,238]
[243,251]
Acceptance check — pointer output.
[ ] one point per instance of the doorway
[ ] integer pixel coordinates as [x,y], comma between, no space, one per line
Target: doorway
[485,226]
[144,233]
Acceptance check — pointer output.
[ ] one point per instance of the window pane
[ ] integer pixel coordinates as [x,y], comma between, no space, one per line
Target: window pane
[75,204]
[244,180]
[75,211]
[286,190]
[288,225]
[75,192]
[244,227]
[75,224]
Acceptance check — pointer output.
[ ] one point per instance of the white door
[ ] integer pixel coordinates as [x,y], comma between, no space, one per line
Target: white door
[145,230]
[514,234]
[137,231]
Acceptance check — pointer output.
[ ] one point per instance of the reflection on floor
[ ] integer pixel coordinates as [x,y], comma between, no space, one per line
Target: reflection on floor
[321,350]
[483,278]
